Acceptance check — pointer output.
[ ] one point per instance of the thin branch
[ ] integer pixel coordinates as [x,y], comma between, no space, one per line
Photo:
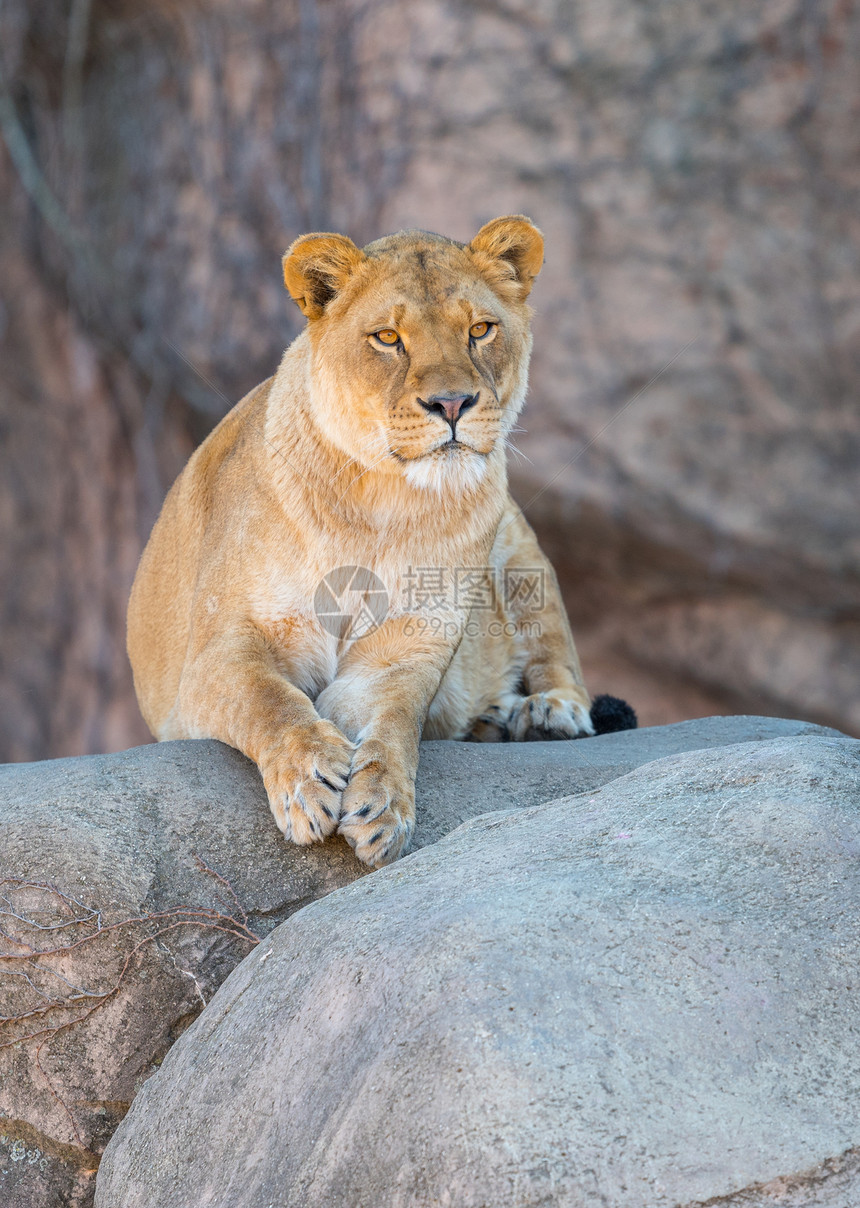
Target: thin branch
[204,867]
[158,924]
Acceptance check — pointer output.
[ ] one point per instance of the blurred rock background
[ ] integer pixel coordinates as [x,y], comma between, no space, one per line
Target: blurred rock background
[691,458]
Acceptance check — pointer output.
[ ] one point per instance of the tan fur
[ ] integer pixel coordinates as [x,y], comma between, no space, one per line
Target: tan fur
[337,462]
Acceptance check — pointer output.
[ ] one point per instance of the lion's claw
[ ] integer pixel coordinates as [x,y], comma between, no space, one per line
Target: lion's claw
[305,781]
[378,814]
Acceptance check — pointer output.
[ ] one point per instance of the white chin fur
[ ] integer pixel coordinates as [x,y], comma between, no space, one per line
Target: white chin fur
[449,471]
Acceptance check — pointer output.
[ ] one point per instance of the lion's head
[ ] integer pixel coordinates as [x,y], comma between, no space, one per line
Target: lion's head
[419,345]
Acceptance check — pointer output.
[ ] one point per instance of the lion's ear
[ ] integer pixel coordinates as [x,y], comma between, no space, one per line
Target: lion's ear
[510,248]
[316,267]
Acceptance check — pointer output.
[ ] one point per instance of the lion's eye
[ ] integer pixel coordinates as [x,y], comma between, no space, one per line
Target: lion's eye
[387,336]
[478,330]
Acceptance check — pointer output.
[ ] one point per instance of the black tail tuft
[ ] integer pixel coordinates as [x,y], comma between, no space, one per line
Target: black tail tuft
[609,714]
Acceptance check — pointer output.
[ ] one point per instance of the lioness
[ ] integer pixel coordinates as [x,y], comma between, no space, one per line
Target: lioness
[369,469]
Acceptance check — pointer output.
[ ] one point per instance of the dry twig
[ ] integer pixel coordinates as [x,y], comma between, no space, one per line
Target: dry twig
[34,966]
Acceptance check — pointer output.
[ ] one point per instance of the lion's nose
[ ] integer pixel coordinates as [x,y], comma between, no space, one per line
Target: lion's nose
[449,406]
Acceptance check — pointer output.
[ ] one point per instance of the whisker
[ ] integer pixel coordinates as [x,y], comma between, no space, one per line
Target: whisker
[513,448]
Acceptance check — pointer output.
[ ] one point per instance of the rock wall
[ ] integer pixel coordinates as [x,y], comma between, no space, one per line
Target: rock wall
[692,433]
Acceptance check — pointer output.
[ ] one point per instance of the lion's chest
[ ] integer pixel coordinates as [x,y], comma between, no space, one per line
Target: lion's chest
[312,609]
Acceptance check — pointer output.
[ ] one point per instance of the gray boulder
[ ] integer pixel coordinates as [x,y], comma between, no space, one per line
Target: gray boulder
[643,996]
[134,845]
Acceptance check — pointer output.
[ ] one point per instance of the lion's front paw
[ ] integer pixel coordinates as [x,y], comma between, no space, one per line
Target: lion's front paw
[305,778]
[554,714]
[378,815]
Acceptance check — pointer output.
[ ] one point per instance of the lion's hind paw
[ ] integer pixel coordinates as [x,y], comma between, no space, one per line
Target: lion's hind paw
[549,715]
